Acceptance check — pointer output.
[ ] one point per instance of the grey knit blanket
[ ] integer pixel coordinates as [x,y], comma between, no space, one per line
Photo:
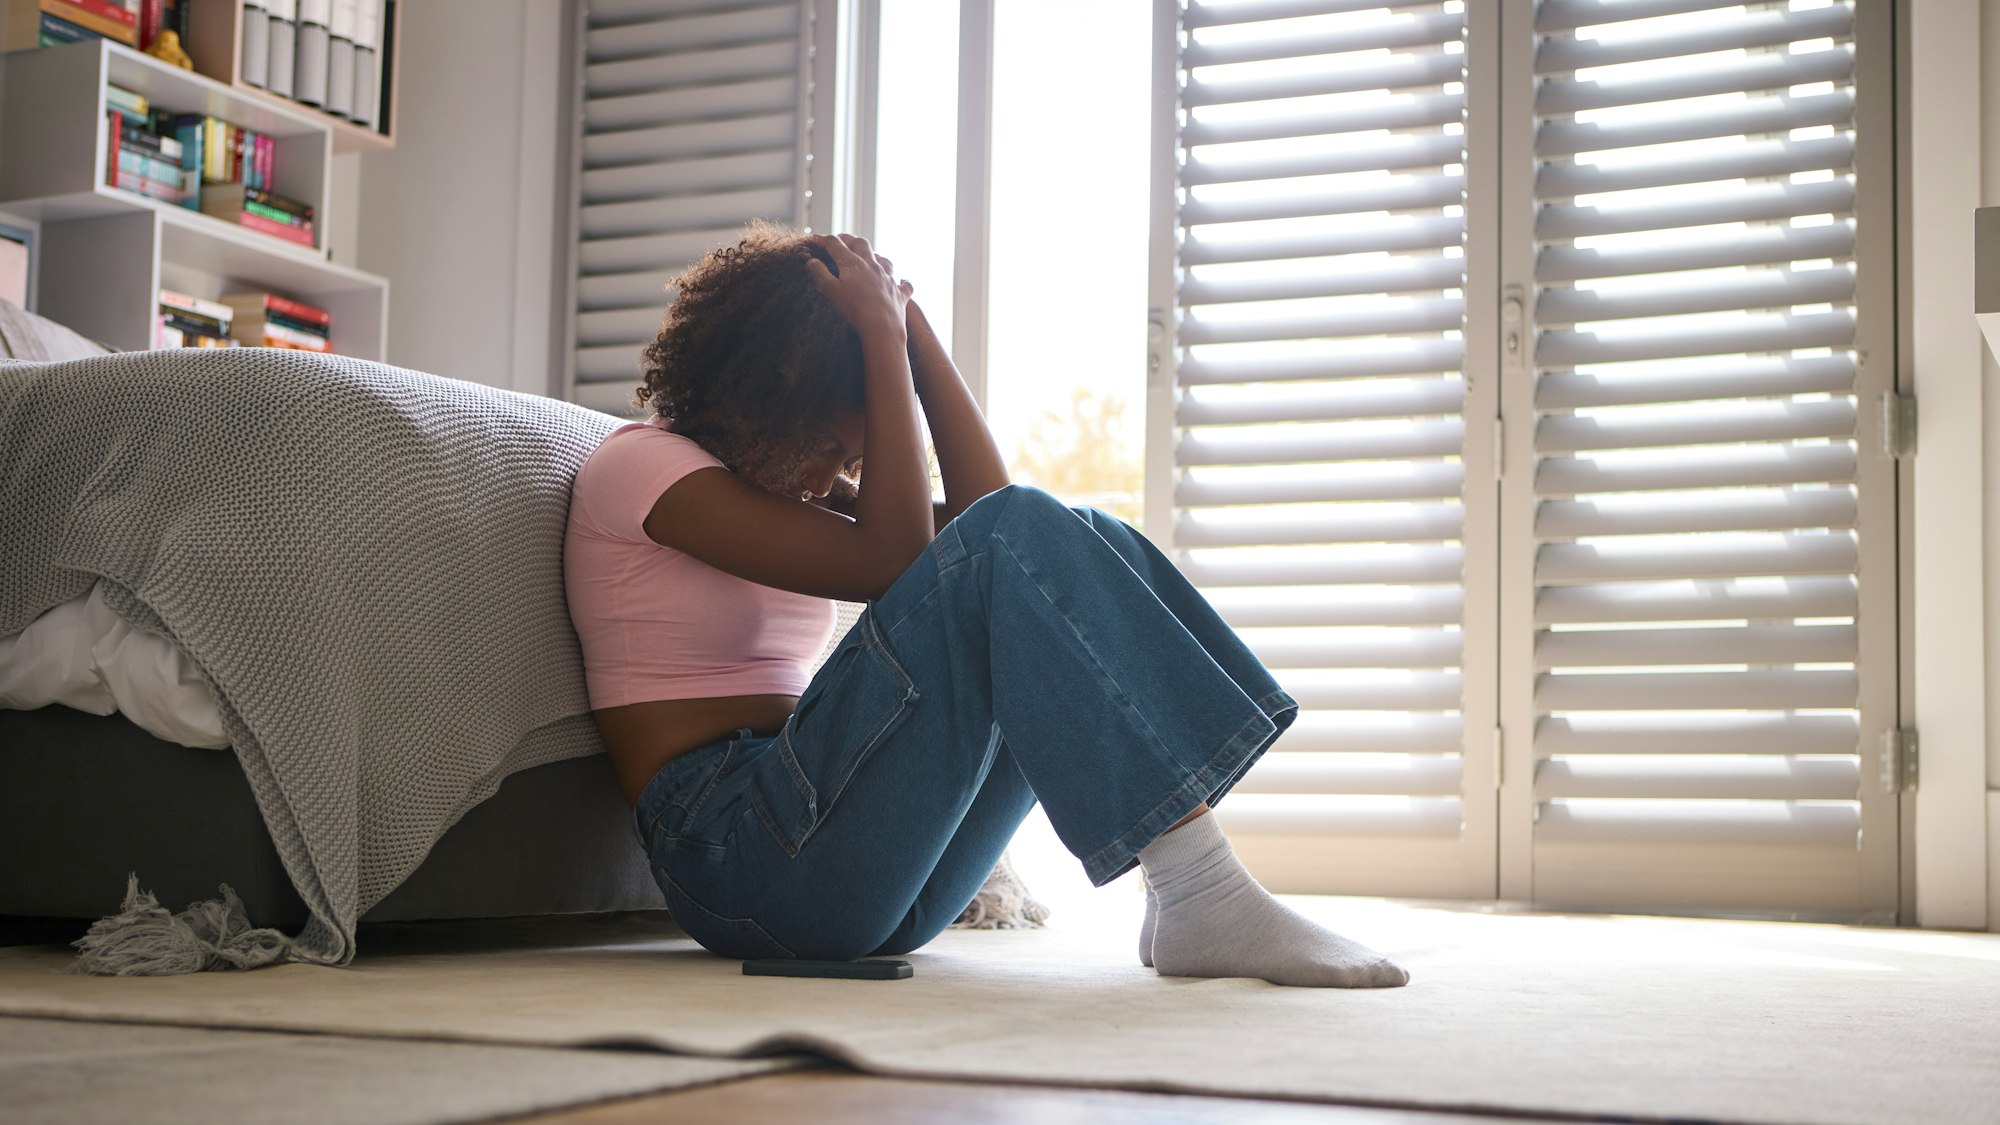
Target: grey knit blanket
[365,563]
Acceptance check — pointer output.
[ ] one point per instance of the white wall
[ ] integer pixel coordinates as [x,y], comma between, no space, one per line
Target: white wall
[461,215]
[1989,196]
[1953,520]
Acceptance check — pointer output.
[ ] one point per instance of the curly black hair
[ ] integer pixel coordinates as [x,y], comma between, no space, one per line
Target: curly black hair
[752,360]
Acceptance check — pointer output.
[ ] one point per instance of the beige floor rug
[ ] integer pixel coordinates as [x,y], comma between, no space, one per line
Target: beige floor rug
[63,1072]
[1649,1018]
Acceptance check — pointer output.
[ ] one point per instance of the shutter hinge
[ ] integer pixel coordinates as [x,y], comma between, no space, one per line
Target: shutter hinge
[1499,756]
[1156,347]
[1899,425]
[1899,760]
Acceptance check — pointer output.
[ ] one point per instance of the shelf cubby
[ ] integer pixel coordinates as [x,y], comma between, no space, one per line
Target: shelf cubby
[215,43]
[104,253]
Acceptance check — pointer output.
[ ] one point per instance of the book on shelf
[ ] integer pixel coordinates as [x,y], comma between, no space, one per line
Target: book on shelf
[192,322]
[56,31]
[182,157]
[137,163]
[26,24]
[152,20]
[141,163]
[219,311]
[137,108]
[169,336]
[217,152]
[271,304]
[265,212]
[271,321]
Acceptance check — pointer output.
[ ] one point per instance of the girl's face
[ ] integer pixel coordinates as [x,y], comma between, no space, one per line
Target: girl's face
[839,452]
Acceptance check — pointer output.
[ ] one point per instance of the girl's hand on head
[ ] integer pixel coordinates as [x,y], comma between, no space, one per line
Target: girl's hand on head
[862,285]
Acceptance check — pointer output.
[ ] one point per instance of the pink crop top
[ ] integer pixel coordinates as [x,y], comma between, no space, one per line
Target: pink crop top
[657,623]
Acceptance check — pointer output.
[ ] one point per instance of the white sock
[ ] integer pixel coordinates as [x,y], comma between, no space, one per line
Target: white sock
[1146,927]
[1215,920]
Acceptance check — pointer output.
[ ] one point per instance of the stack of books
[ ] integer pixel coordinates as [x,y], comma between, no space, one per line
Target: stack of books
[25,24]
[139,159]
[226,153]
[266,320]
[190,322]
[49,23]
[202,163]
[265,212]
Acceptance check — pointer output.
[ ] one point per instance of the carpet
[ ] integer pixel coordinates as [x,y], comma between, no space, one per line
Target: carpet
[59,1072]
[1646,1018]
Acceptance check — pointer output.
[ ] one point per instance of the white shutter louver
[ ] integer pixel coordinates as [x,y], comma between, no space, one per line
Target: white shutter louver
[697,117]
[1713,544]
[1316,279]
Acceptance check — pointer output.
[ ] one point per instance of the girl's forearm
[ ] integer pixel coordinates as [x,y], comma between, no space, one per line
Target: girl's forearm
[896,502]
[968,458]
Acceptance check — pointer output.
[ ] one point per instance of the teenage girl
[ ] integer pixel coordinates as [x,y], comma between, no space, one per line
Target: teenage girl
[1013,649]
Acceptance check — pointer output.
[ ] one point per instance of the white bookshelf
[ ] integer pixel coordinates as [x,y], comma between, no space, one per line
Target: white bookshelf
[104,253]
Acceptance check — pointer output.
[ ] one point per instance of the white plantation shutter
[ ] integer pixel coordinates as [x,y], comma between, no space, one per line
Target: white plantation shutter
[1700,641]
[1307,425]
[697,116]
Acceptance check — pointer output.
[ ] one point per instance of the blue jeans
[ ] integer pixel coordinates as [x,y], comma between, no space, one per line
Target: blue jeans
[1033,652]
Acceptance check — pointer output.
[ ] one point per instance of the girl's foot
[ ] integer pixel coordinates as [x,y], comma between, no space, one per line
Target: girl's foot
[1213,919]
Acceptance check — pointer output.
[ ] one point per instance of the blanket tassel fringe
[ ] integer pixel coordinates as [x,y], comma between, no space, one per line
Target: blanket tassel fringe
[1003,903]
[145,939]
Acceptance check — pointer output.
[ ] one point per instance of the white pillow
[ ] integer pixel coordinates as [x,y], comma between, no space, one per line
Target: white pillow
[82,655]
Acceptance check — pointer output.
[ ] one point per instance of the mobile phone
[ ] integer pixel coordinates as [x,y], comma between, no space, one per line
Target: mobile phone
[873,968]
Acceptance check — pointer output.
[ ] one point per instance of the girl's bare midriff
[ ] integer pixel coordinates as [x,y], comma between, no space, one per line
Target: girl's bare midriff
[642,737]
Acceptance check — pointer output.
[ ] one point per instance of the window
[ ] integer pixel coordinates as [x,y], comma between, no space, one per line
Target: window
[1516,415]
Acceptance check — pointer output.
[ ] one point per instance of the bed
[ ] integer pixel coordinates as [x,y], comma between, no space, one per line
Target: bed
[87,798]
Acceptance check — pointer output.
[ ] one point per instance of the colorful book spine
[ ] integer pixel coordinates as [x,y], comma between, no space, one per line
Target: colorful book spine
[55,31]
[151,167]
[251,305]
[194,322]
[125,99]
[298,310]
[115,10]
[218,311]
[274,334]
[146,186]
[147,141]
[189,132]
[302,236]
[152,20]
[112,21]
